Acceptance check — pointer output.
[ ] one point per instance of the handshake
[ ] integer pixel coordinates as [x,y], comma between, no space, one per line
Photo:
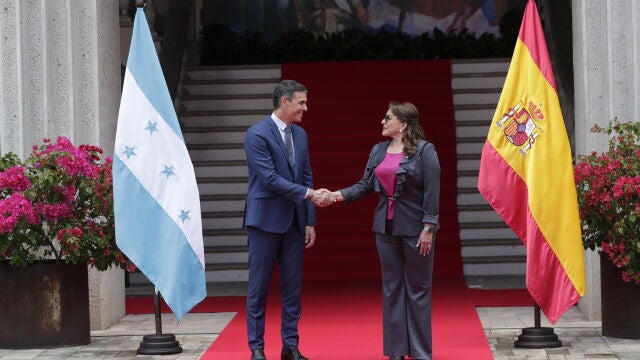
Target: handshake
[324,197]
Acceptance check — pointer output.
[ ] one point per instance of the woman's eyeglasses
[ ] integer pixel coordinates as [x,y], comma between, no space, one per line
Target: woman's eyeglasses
[387,118]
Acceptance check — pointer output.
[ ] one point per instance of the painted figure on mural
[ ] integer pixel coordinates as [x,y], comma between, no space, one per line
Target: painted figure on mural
[416,17]
[330,16]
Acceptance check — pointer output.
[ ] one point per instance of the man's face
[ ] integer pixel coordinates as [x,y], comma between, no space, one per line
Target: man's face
[293,110]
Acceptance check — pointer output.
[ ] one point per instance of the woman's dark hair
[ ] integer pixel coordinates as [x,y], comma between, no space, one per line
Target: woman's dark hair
[407,113]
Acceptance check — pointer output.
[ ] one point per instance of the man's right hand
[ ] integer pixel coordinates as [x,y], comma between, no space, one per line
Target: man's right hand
[321,197]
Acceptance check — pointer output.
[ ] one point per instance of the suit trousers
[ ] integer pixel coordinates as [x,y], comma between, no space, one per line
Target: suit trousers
[406,296]
[265,249]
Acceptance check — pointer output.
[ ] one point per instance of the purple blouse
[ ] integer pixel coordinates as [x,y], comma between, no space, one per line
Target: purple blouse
[386,174]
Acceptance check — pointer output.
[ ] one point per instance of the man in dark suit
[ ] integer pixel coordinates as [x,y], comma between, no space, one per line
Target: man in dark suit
[279,214]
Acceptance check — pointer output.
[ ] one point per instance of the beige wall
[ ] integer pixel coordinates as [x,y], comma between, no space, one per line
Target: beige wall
[606,62]
[60,75]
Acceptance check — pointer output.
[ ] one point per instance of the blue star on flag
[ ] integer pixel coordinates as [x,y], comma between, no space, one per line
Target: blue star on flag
[168,171]
[151,127]
[184,215]
[129,151]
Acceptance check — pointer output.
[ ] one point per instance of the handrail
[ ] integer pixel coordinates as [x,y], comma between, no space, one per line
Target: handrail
[174,42]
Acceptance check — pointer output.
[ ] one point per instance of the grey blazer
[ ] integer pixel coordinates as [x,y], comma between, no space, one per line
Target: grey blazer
[417,192]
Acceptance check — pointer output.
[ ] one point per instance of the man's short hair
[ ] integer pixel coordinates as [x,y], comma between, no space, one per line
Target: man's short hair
[285,89]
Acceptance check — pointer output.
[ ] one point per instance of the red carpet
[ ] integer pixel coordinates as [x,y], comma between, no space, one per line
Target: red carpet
[343,321]
[341,298]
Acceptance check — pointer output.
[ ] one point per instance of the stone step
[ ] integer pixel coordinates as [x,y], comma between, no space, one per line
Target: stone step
[470,145]
[222,223]
[214,171]
[477,97]
[235,73]
[479,66]
[245,118]
[474,130]
[469,164]
[225,240]
[492,247]
[215,153]
[230,205]
[478,81]
[229,87]
[226,103]
[472,217]
[466,114]
[493,266]
[226,186]
[216,273]
[489,248]
[471,233]
[219,136]
[226,254]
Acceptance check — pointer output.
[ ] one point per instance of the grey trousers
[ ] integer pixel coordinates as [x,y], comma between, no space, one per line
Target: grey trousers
[406,297]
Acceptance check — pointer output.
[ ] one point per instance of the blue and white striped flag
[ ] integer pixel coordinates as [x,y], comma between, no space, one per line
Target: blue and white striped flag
[156,200]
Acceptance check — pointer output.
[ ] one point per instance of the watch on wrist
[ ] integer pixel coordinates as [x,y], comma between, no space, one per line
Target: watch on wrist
[431,229]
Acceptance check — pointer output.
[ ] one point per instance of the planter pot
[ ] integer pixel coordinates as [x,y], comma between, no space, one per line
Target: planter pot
[44,305]
[620,303]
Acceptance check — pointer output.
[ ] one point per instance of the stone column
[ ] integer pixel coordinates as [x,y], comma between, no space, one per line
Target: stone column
[60,76]
[107,287]
[606,59]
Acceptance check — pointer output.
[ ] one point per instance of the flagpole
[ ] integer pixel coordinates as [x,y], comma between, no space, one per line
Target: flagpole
[537,337]
[159,343]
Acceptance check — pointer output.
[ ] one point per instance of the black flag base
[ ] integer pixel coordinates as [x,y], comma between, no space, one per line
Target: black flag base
[163,344]
[537,338]
[159,343]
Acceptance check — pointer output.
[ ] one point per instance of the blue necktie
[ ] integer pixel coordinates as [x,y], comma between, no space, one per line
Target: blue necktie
[288,143]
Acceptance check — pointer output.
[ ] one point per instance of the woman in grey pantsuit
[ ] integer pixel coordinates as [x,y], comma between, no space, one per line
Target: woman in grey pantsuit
[405,173]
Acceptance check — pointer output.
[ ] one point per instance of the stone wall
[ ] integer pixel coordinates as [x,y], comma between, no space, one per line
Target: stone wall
[606,63]
[60,75]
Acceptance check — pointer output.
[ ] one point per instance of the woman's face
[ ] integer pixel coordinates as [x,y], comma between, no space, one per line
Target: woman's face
[392,126]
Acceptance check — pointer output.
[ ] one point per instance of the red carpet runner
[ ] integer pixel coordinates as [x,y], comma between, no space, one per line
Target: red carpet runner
[341,298]
[347,101]
[342,316]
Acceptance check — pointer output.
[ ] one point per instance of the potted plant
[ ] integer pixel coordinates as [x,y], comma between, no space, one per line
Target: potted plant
[608,185]
[56,216]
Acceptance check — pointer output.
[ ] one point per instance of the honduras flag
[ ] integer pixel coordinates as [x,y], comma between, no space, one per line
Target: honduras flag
[156,200]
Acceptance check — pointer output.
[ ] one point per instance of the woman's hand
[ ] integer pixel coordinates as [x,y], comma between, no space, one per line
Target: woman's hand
[425,242]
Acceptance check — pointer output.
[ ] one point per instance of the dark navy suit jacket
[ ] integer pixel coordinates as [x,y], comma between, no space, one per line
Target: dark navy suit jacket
[276,189]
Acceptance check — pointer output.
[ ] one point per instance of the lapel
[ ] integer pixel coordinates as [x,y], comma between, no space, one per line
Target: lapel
[403,169]
[275,132]
[379,154]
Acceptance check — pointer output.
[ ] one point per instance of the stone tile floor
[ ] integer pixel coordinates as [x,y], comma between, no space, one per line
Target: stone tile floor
[581,338]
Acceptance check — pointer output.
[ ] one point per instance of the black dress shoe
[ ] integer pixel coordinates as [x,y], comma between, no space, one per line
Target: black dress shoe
[291,353]
[396,357]
[258,354]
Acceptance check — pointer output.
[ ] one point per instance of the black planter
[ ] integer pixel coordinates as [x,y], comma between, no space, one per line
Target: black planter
[44,305]
[620,303]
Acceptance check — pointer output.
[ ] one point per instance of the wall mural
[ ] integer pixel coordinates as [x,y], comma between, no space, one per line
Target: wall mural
[414,17]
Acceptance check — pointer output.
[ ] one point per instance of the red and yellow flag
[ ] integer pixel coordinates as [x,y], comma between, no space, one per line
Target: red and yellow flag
[526,173]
